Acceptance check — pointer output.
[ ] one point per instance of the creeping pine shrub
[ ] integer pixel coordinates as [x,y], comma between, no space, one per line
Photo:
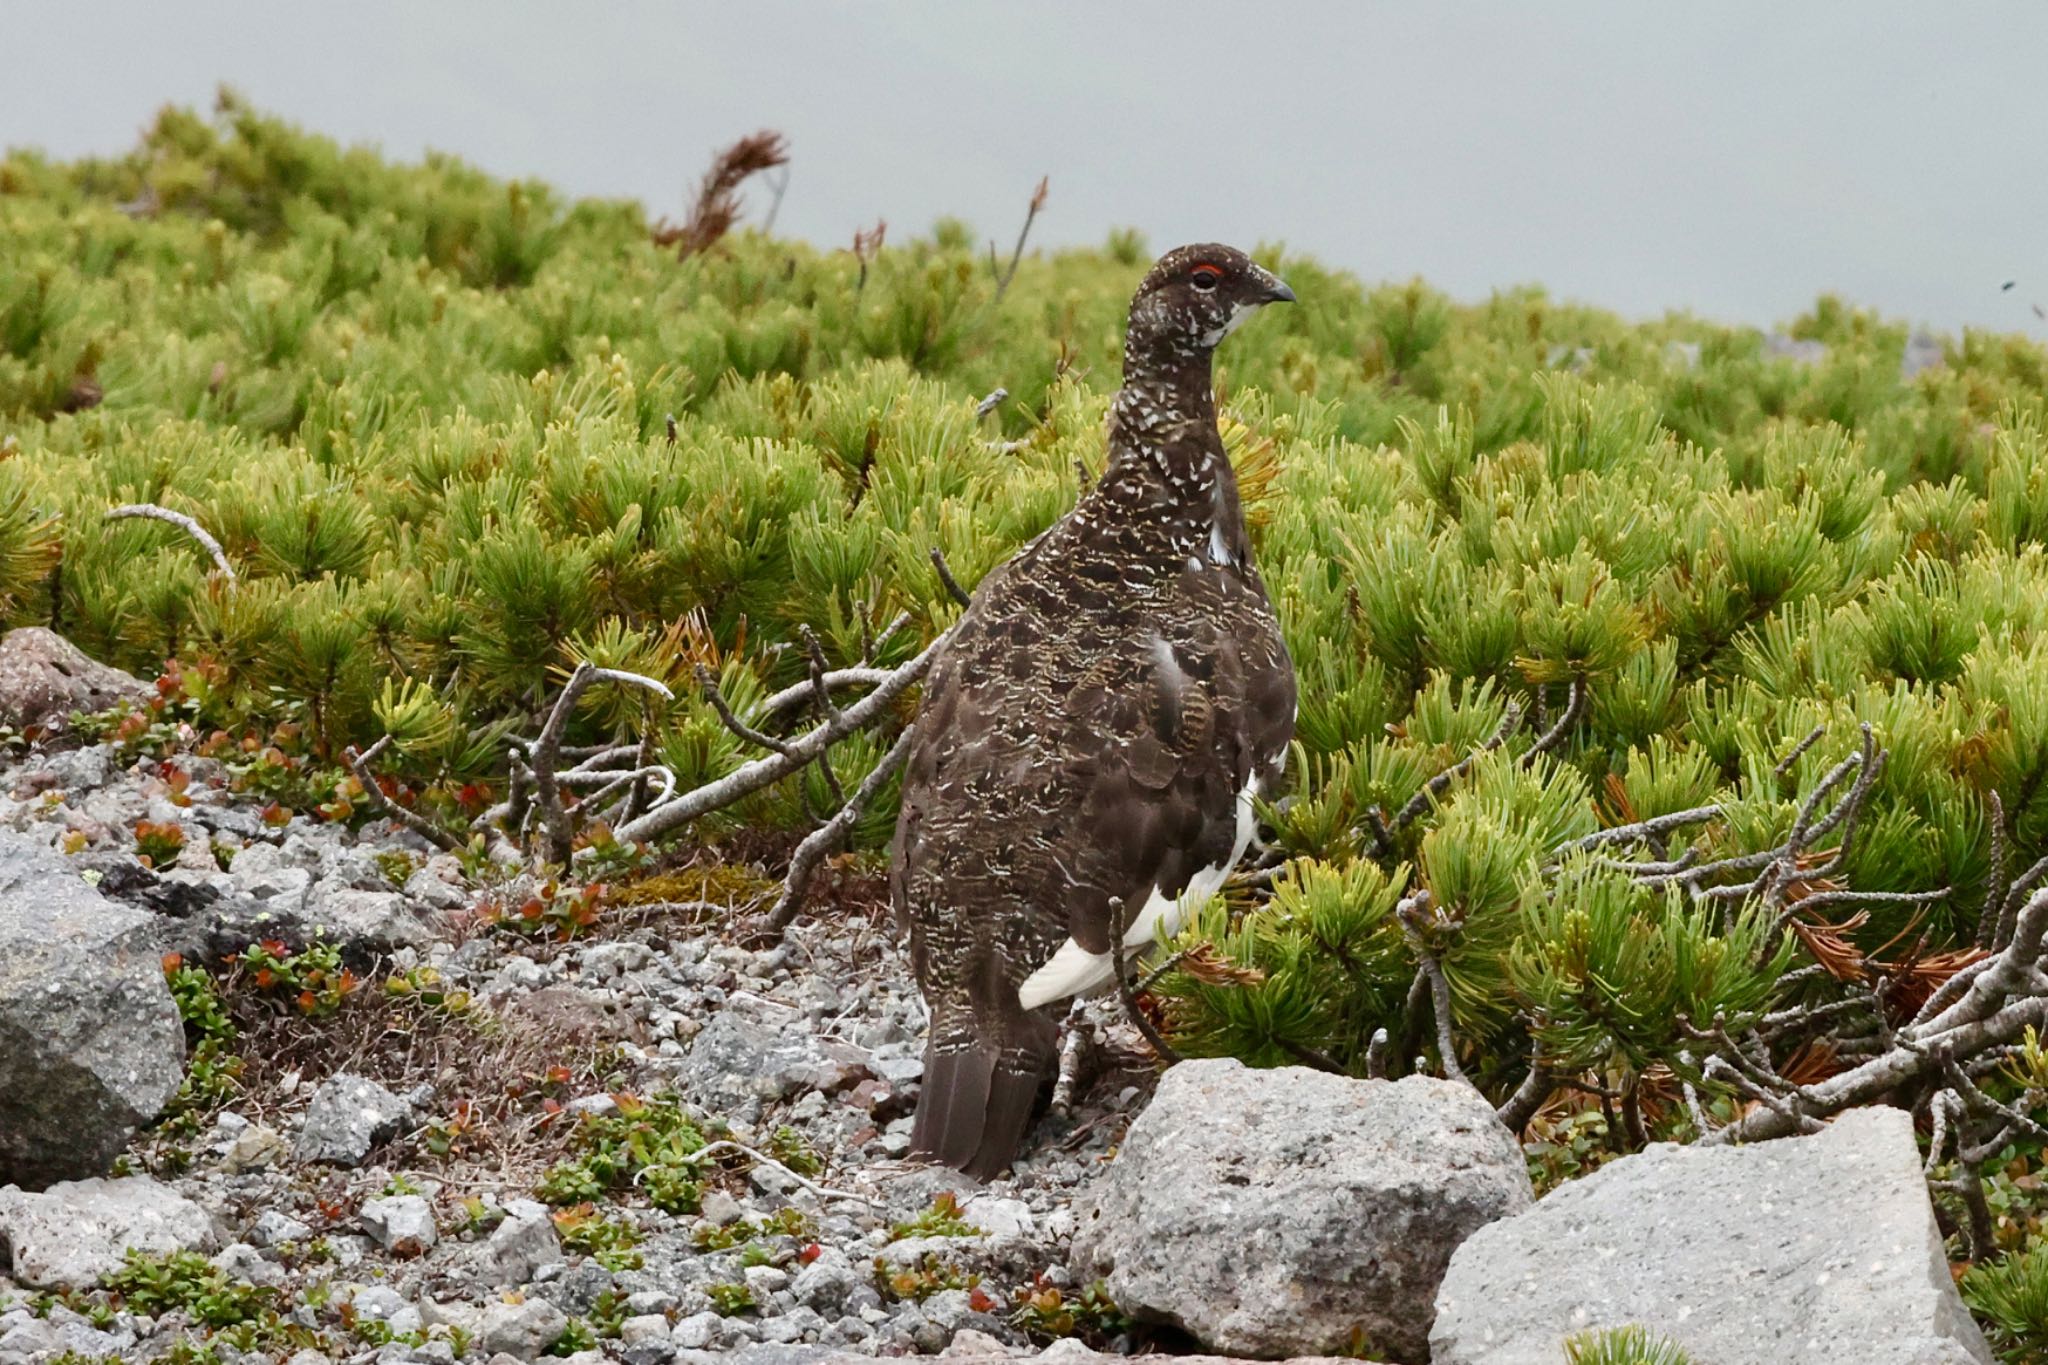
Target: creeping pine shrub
[457,435]
[2010,1298]
[1622,1346]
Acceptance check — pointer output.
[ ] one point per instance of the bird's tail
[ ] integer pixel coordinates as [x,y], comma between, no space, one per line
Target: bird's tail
[978,1100]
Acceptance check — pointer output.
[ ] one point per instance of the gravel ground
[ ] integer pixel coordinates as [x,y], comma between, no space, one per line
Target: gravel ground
[378,1168]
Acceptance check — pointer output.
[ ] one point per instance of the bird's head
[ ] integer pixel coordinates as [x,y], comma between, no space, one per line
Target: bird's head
[1196,296]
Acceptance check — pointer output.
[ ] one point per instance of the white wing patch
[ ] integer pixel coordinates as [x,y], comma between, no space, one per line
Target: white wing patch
[1073,969]
[1219,553]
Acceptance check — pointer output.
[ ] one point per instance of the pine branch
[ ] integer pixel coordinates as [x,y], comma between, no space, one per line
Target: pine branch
[1409,912]
[545,756]
[1510,721]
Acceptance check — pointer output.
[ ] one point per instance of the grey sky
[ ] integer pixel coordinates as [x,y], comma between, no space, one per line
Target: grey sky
[1734,159]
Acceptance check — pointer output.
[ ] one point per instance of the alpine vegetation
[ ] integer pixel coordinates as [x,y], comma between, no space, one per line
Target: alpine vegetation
[1589,734]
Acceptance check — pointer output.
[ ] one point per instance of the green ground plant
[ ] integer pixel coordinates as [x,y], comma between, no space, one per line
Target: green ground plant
[1674,711]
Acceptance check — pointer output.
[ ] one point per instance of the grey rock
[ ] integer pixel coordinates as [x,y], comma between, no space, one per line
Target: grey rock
[400,1223]
[734,1059]
[44,678]
[73,1233]
[523,1329]
[1066,1352]
[644,1327]
[254,1148]
[721,1209]
[341,866]
[281,887]
[826,1282]
[697,1331]
[244,1262]
[765,1280]
[431,887]
[348,1116]
[80,770]
[273,1228]
[517,1247]
[1807,1248]
[580,1286]
[365,921]
[968,1343]
[90,1043]
[1283,1212]
[377,1302]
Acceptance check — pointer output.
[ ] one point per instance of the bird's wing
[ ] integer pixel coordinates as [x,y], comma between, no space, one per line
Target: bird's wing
[1162,751]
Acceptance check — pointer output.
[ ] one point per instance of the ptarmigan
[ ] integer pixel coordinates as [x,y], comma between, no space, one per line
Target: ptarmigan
[1093,731]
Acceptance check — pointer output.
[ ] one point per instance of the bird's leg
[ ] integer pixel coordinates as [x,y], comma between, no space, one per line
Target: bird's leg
[1075,1047]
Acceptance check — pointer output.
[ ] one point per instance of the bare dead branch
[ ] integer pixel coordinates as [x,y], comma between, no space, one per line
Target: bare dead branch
[761,772]
[545,756]
[1126,988]
[1535,1088]
[838,679]
[1784,764]
[1410,912]
[150,511]
[952,584]
[359,764]
[1574,707]
[1038,197]
[827,837]
[1376,1055]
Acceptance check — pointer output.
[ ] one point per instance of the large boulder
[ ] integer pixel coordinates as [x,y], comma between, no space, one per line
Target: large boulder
[1807,1248]
[74,1233]
[90,1042]
[1292,1212]
[44,678]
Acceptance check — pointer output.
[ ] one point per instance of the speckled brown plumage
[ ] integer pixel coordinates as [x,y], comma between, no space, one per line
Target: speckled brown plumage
[1093,727]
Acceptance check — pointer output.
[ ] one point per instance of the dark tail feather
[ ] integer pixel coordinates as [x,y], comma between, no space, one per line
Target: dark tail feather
[1012,1096]
[973,1110]
[952,1107]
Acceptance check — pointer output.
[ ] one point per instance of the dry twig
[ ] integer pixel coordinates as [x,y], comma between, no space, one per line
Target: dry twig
[152,512]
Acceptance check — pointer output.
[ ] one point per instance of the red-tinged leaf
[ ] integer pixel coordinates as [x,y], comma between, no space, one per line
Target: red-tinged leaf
[810,1253]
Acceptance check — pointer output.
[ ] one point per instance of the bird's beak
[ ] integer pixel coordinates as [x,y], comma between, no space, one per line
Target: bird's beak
[1272,289]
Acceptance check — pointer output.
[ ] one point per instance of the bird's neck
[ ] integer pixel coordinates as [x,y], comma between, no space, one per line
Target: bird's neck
[1167,466]
[1165,414]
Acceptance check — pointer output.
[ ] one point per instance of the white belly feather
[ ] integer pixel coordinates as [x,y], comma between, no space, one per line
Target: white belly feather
[1073,969]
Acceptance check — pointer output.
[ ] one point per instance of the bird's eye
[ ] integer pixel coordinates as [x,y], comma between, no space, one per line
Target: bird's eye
[1205,277]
